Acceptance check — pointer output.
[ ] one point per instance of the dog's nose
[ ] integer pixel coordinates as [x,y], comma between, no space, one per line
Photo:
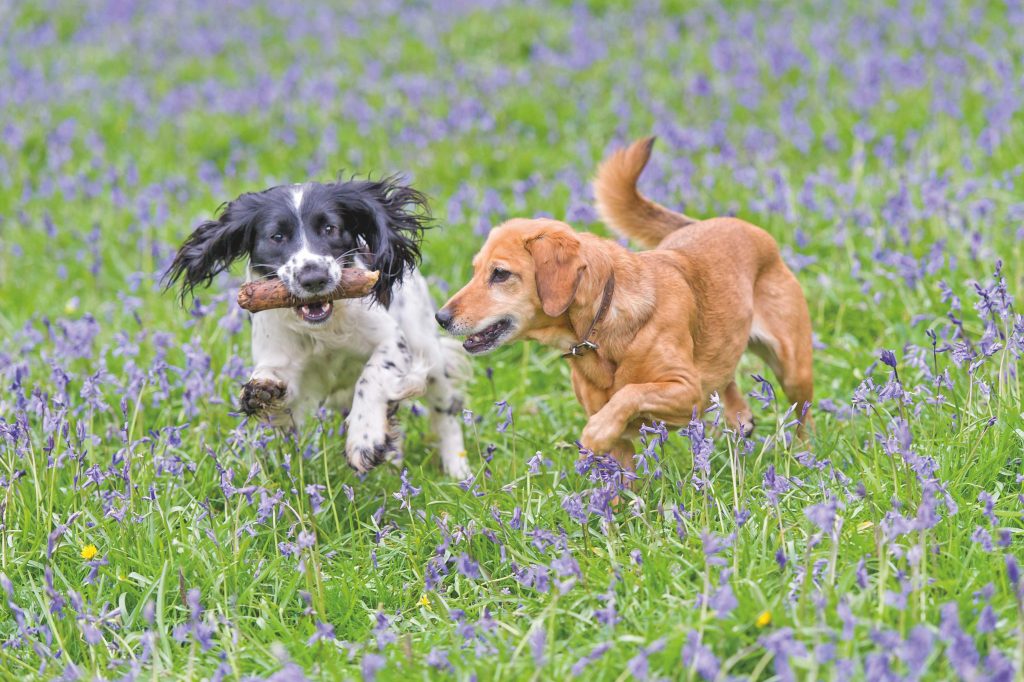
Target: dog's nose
[443,317]
[313,277]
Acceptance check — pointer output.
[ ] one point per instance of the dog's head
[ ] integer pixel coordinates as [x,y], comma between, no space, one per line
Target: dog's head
[305,234]
[525,277]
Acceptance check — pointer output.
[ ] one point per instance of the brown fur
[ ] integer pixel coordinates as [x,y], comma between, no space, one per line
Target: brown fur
[681,315]
[625,209]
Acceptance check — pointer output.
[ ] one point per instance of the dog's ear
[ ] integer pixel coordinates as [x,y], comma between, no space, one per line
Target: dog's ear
[211,249]
[559,269]
[389,218]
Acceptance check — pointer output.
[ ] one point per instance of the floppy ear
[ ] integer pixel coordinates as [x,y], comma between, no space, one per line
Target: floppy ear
[390,219]
[559,269]
[211,249]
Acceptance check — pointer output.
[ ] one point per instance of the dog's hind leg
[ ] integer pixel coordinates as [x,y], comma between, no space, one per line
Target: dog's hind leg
[781,336]
[445,400]
[737,412]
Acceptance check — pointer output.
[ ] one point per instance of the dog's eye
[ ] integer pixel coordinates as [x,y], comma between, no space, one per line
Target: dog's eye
[330,229]
[277,237]
[499,275]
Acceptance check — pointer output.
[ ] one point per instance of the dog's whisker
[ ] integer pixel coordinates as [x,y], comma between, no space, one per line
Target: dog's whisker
[351,252]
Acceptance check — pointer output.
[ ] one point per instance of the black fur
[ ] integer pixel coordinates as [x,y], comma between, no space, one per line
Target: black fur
[382,219]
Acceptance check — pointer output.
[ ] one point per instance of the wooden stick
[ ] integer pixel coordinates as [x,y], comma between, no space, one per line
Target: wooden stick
[268,294]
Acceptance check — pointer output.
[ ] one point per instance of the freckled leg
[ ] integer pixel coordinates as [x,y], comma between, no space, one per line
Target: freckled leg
[445,402]
[372,433]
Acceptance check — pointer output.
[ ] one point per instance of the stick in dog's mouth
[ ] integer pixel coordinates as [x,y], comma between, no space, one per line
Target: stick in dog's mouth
[272,293]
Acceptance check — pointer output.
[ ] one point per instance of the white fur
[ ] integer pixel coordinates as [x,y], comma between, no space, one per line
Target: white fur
[355,361]
[297,192]
[289,272]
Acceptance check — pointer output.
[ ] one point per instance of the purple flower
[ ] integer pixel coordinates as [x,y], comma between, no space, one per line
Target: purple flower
[382,631]
[723,601]
[848,619]
[371,665]
[699,658]
[773,485]
[438,660]
[714,545]
[766,394]
[316,498]
[597,652]
[466,567]
[917,648]
[888,358]
[538,643]
[784,647]
[986,620]
[323,631]
[573,506]
[607,615]
[537,461]
[989,507]
[406,492]
[960,649]
[504,410]
[639,666]
[94,569]
[51,540]
[823,515]
[983,538]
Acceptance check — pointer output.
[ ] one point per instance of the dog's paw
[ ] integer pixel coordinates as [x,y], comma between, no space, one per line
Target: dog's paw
[746,425]
[260,396]
[599,436]
[457,466]
[365,452]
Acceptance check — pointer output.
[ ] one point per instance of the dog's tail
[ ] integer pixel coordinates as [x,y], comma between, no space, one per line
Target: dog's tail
[626,210]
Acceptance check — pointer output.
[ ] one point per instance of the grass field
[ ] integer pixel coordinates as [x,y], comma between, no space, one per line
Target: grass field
[148,532]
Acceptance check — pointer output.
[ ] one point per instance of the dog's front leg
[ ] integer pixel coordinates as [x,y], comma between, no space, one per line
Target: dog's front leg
[388,377]
[270,392]
[670,401]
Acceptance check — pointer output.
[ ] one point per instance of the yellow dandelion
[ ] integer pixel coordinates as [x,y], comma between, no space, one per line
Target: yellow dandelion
[89,551]
[425,601]
[764,619]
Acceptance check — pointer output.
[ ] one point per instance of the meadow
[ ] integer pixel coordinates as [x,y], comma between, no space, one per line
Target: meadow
[148,531]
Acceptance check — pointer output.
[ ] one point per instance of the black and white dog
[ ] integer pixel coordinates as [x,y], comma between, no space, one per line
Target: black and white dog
[362,356]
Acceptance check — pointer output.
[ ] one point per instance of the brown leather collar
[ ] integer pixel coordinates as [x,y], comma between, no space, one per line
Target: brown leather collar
[586,345]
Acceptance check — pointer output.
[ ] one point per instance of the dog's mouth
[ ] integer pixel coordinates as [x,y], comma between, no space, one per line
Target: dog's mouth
[315,313]
[489,337]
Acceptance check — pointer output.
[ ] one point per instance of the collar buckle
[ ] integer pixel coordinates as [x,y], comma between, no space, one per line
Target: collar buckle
[586,345]
[580,349]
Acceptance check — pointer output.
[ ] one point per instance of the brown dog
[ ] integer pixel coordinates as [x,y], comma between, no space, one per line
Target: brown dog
[649,335]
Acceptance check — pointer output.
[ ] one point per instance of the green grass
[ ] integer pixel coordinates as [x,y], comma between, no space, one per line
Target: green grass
[289,94]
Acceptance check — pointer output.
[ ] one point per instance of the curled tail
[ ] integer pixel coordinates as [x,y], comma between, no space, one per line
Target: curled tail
[626,210]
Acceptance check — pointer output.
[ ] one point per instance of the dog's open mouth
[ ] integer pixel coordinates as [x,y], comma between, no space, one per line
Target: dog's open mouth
[315,313]
[488,338]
